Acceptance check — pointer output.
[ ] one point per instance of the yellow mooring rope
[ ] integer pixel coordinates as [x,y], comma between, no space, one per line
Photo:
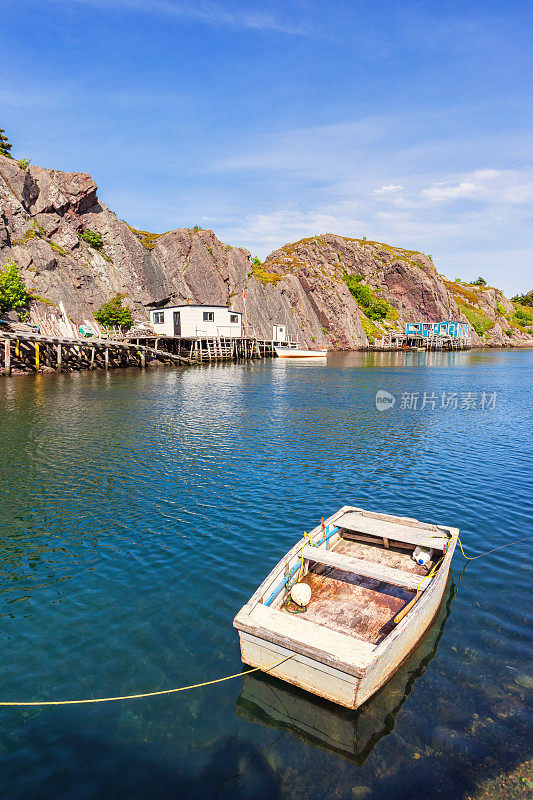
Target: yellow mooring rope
[502,547]
[11,703]
[4,703]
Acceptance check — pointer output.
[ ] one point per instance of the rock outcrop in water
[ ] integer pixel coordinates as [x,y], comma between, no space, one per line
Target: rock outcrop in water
[307,285]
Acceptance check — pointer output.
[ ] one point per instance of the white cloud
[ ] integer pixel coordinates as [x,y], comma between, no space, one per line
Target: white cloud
[391,188]
[440,191]
[469,234]
[494,187]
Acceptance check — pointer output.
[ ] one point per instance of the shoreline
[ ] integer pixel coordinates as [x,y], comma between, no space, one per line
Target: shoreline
[103,356]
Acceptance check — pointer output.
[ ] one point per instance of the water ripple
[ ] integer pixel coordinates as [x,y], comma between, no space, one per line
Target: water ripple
[141,509]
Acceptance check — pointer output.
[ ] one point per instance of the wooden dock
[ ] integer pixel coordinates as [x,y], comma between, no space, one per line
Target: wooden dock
[32,352]
[203,348]
[23,352]
[403,341]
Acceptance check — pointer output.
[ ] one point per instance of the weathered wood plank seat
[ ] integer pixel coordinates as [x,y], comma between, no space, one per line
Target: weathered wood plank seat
[369,569]
[337,650]
[415,534]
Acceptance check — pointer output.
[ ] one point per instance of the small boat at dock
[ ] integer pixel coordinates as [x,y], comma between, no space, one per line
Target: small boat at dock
[345,607]
[297,352]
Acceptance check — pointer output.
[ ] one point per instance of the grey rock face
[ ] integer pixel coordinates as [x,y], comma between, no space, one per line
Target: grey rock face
[301,285]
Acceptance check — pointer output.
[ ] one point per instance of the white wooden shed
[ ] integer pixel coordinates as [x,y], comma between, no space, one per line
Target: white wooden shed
[190,321]
[279,333]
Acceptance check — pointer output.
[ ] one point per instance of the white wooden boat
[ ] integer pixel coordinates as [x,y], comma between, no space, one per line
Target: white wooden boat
[265,700]
[297,352]
[370,605]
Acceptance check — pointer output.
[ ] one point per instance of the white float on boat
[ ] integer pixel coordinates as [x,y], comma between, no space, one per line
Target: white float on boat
[297,352]
[370,605]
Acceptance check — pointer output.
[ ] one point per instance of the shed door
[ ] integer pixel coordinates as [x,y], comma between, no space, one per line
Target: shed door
[177,323]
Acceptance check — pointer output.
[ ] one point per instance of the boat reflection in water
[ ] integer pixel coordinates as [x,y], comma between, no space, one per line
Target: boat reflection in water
[353,734]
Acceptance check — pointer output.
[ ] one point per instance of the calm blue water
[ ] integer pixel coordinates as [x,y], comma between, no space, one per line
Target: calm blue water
[141,509]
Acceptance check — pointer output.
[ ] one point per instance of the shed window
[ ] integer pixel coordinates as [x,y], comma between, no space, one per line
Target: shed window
[209,316]
[233,317]
[159,317]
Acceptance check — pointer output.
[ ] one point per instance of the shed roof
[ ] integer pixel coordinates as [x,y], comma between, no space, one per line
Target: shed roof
[195,305]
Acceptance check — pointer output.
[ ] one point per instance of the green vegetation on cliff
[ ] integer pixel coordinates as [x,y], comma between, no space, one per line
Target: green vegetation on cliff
[374,307]
[262,275]
[480,322]
[93,239]
[114,315]
[13,293]
[148,240]
[523,299]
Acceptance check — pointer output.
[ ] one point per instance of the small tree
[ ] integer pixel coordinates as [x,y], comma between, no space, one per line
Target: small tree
[114,315]
[13,292]
[480,282]
[256,261]
[5,144]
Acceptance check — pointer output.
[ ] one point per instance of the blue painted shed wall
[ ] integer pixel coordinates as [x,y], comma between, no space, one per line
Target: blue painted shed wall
[449,327]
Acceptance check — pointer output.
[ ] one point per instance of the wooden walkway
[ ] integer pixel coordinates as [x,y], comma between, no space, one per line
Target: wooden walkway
[29,352]
[25,352]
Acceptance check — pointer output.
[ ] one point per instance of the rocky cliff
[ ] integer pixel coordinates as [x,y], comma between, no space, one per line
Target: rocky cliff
[330,290]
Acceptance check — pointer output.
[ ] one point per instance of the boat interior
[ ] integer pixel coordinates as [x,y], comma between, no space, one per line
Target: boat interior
[363,575]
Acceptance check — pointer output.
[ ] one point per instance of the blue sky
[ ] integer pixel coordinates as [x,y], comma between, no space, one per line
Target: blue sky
[407,122]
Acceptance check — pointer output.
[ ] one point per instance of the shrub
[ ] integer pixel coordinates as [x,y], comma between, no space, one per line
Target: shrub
[523,299]
[479,282]
[263,275]
[377,310]
[523,316]
[13,292]
[477,319]
[23,163]
[373,307]
[256,261]
[500,309]
[147,239]
[370,330]
[509,332]
[363,294]
[113,314]
[93,239]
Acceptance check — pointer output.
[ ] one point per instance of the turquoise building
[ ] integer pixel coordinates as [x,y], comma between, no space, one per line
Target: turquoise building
[450,327]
